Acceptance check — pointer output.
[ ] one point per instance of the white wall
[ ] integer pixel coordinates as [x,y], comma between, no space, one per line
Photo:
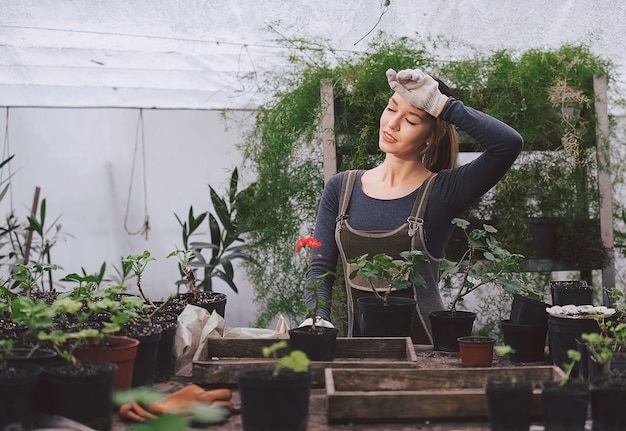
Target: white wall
[82,161]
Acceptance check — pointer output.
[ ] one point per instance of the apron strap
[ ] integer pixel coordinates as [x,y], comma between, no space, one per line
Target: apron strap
[344,197]
[416,219]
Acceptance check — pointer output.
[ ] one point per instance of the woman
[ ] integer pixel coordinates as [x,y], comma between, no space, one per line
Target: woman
[381,211]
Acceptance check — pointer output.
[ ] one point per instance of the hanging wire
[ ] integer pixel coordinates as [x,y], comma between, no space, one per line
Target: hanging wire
[385,6]
[138,142]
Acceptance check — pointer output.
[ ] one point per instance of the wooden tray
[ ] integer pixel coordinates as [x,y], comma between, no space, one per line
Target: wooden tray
[373,395]
[222,358]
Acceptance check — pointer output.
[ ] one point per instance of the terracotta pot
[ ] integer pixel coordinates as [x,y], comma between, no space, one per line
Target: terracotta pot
[476,351]
[119,350]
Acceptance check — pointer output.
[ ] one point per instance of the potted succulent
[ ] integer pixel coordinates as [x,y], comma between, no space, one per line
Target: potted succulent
[484,262]
[276,399]
[384,315]
[316,341]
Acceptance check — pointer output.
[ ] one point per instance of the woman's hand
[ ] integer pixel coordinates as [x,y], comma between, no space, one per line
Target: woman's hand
[418,89]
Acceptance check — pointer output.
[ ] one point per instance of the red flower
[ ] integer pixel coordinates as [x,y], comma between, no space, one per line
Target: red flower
[308,241]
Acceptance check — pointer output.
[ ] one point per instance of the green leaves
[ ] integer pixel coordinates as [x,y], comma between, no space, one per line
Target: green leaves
[398,274]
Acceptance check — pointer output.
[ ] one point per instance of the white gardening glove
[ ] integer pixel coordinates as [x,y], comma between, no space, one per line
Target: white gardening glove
[418,89]
[318,322]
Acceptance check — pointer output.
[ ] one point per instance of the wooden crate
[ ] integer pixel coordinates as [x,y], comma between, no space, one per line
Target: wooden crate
[372,395]
[222,358]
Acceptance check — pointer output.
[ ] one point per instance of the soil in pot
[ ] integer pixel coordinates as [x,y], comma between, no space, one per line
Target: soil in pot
[271,403]
[576,292]
[565,407]
[476,351]
[528,341]
[208,300]
[18,396]
[83,393]
[447,327]
[319,345]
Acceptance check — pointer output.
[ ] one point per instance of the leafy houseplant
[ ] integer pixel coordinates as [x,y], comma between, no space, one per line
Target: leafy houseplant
[226,231]
[396,274]
[276,399]
[385,315]
[484,262]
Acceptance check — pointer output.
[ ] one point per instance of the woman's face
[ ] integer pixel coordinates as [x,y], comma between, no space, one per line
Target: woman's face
[404,129]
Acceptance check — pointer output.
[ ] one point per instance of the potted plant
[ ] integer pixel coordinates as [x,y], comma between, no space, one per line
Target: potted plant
[74,313]
[276,399]
[316,341]
[18,390]
[567,323]
[383,315]
[226,231]
[508,400]
[608,389]
[78,390]
[565,402]
[484,262]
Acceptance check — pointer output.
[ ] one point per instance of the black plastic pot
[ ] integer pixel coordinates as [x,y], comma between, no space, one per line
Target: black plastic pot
[38,356]
[18,397]
[565,407]
[447,327]
[562,336]
[509,406]
[165,352]
[528,311]
[83,394]
[318,345]
[607,406]
[271,403]
[528,341]
[576,292]
[392,320]
[144,368]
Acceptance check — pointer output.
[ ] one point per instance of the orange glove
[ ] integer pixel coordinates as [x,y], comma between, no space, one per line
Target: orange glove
[180,402]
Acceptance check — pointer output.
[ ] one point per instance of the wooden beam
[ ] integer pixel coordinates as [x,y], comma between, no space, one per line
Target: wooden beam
[604,180]
[329,150]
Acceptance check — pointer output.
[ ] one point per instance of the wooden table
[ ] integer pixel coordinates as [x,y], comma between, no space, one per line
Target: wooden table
[318,421]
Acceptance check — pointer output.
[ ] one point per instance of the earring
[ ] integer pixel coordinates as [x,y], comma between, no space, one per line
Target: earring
[427,143]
